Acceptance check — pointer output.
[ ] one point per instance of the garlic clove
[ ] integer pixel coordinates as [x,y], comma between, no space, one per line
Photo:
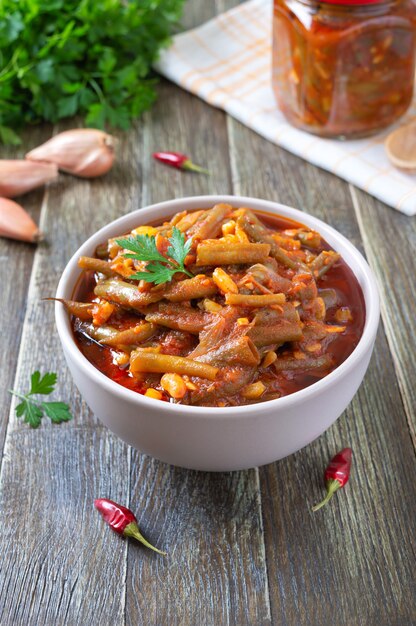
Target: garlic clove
[18,176]
[84,152]
[15,223]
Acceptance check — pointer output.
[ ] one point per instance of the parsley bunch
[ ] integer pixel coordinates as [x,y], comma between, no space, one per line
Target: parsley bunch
[160,269]
[91,57]
[32,411]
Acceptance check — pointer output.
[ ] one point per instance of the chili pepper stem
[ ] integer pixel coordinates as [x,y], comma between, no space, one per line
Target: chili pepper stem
[192,167]
[132,530]
[332,486]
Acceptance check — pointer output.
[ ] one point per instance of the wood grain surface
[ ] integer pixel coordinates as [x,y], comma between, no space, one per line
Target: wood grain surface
[244,547]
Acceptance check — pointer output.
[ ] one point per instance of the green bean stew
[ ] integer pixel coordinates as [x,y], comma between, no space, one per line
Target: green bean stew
[260,308]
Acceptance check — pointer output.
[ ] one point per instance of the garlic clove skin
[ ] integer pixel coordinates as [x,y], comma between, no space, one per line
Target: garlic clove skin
[15,223]
[18,176]
[84,152]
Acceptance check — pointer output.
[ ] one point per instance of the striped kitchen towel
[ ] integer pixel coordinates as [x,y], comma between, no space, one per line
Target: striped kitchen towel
[227,62]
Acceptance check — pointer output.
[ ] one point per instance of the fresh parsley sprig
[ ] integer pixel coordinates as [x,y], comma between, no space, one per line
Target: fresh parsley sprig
[32,411]
[91,58]
[160,269]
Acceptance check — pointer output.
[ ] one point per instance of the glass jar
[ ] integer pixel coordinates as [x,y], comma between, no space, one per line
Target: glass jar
[343,68]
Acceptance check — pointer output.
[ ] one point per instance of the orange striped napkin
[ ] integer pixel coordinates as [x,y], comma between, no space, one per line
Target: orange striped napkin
[227,62]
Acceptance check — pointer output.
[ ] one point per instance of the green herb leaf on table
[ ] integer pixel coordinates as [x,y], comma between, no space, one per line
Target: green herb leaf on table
[161,269]
[90,58]
[44,385]
[57,411]
[33,411]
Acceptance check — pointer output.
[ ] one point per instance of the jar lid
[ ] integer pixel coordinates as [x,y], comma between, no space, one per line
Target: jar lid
[353,2]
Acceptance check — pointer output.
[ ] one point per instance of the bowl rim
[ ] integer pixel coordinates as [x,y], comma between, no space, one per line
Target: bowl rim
[367,283]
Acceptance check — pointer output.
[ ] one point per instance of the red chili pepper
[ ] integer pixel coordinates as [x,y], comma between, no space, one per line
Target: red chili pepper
[122,521]
[336,475]
[178,160]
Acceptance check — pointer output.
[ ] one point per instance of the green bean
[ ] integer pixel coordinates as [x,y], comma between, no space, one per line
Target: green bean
[200,286]
[232,379]
[82,310]
[145,361]
[188,220]
[130,336]
[286,363]
[309,238]
[323,262]
[98,333]
[208,225]
[270,317]
[268,277]
[125,294]
[244,300]
[221,253]
[238,350]
[179,317]
[279,334]
[96,265]
[257,232]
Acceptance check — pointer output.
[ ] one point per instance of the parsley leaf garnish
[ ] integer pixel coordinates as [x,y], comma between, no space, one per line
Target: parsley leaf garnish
[178,247]
[32,411]
[143,246]
[160,269]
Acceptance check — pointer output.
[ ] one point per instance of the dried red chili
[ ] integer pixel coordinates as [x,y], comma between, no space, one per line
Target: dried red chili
[178,160]
[122,521]
[336,475]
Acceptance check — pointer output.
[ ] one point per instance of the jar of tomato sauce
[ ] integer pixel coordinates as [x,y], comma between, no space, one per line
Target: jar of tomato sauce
[344,68]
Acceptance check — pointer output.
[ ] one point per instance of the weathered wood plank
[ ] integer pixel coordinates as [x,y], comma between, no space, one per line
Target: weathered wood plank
[390,244]
[212,528]
[215,572]
[353,563]
[183,123]
[15,267]
[73,209]
[350,564]
[60,564]
[225,5]
[81,454]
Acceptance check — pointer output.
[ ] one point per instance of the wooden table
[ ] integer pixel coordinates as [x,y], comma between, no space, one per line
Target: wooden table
[244,547]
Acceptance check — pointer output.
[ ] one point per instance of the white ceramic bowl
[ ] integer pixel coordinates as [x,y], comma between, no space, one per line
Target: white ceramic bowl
[220,439]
